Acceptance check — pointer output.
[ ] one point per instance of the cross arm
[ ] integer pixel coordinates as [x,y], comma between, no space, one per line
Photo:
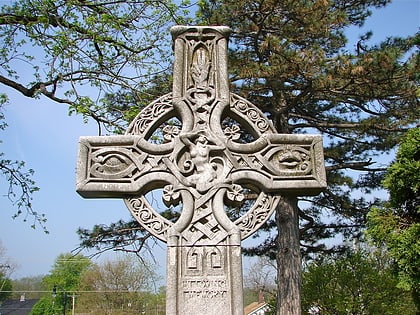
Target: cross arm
[120,166]
[278,162]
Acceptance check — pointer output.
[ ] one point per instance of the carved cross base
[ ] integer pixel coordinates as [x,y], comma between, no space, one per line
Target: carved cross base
[204,280]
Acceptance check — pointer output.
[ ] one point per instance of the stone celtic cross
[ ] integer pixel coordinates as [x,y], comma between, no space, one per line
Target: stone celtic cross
[205,166]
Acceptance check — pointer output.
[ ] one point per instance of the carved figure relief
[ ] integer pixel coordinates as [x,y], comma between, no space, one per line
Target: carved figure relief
[205,169]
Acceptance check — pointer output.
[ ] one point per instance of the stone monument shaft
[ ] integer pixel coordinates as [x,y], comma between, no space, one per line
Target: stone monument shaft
[218,148]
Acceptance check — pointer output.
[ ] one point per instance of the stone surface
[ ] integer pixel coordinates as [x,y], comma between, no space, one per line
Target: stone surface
[217,150]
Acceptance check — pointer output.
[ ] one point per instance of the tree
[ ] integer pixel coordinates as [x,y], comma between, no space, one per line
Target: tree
[261,274]
[31,286]
[5,288]
[260,277]
[6,269]
[122,285]
[63,279]
[396,224]
[355,283]
[290,58]
[56,49]
[20,186]
[110,46]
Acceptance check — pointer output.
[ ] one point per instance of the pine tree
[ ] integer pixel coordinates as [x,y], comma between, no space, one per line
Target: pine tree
[396,225]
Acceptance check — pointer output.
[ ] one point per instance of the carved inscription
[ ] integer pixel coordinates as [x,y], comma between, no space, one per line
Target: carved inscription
[205,288]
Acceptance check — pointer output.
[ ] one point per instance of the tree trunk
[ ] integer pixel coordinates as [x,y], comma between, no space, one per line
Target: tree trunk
[289,264]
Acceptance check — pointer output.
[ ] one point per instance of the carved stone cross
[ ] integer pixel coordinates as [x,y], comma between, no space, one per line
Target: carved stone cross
[218,149]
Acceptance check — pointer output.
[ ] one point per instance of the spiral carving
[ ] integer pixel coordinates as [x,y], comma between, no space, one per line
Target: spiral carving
[151,221]
[257,215]
[250,113]
[149,114]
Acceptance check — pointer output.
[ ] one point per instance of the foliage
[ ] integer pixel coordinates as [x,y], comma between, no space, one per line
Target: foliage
[5,288]
[102,237]
[120,236]
[122,284]
[124,105]
[397,224]
[261,278]
[6,269]
[85,55]
[355,283]
[63,279]
[7,265]
[291,58]
[261,274]
[66,272]
[20,184]
[57,48]
[288,57]
[31,286]
[403,177]
[44,306]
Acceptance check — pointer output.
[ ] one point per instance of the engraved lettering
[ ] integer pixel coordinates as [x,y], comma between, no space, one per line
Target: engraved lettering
[205,294]
[197,284]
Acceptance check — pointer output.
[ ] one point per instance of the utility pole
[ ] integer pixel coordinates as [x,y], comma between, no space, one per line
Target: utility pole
[54,294]
[73,298]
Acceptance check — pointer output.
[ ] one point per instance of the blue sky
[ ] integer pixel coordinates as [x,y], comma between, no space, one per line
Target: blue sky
[42,134]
